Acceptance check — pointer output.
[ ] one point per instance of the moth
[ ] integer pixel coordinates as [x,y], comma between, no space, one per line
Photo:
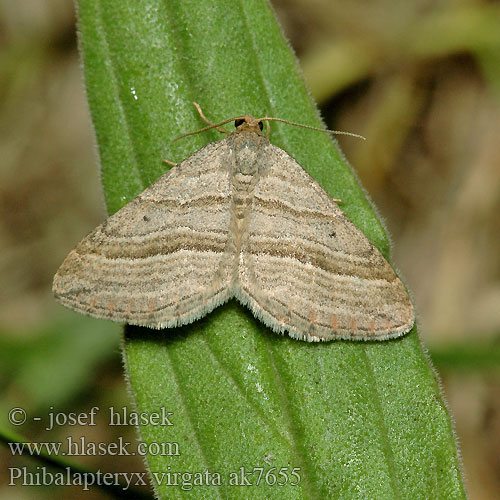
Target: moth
[239,218]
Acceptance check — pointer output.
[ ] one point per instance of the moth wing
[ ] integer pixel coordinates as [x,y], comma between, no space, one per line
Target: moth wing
[163,259]
[305,268]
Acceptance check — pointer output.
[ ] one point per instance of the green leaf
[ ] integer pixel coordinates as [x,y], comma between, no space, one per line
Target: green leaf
[360,420]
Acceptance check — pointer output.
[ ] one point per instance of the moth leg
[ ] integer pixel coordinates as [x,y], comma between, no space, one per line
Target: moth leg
[205,119]
[268,129]
[171,163]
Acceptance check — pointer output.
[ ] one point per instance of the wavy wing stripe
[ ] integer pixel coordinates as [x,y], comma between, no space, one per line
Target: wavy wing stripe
[121,272]
[319,256]
[304,284]
[163,244]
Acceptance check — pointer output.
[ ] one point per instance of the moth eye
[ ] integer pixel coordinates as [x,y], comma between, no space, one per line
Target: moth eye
[239,122]
[261,125]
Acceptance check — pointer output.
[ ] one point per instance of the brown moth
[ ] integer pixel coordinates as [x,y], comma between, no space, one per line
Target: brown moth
[239,218]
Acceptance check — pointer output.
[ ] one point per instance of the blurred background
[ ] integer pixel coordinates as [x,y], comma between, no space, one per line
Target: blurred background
[419,79]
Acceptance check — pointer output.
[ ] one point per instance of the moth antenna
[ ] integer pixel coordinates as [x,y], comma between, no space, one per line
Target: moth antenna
[333,132]
[266,119]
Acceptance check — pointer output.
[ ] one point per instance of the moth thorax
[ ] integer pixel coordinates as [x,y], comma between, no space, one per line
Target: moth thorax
[246,163]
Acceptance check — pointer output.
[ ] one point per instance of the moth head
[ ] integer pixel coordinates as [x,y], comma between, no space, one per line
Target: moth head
[250,123]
